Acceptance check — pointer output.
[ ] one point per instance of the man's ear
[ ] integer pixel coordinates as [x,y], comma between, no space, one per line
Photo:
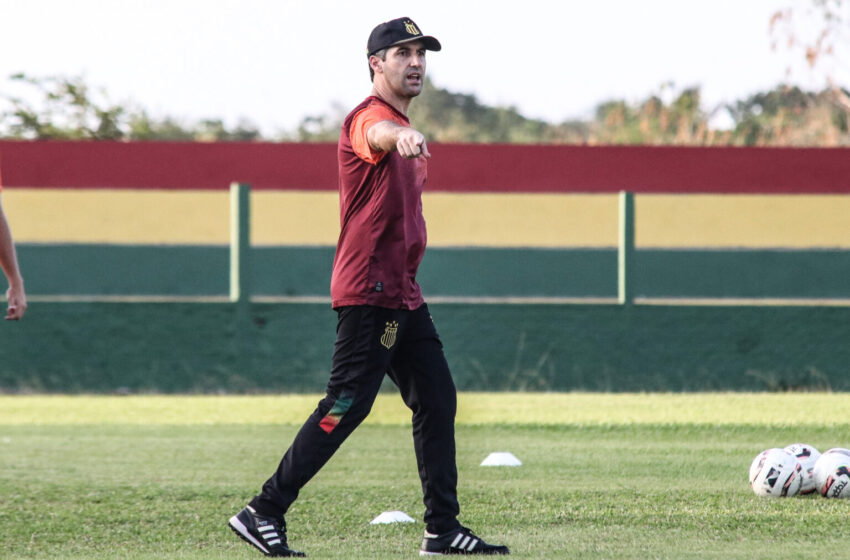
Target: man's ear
[375,64]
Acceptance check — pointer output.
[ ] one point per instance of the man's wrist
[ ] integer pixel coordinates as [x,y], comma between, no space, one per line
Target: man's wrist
[16,281]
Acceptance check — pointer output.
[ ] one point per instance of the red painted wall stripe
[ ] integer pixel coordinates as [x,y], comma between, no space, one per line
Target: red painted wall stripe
[454,167]
[167,165]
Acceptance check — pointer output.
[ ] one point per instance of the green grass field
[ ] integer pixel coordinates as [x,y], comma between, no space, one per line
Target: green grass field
[604,476]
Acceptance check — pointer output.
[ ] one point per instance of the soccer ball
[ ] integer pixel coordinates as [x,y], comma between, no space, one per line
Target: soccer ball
[832,473]
[776,473]
[807,456]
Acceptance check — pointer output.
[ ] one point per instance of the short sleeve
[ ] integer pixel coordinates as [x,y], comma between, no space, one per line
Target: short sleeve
[360,125]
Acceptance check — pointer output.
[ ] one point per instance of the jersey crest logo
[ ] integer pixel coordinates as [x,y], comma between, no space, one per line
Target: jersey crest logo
[388,338]
[411,28]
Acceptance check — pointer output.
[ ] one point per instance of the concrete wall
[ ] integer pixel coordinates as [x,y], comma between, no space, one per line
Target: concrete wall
[123,219]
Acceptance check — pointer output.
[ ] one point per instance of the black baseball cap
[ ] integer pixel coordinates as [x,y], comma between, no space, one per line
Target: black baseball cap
[394,32]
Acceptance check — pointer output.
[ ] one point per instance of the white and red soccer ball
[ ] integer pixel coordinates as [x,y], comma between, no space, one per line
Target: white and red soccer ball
[832,473]
[807,456]
[776,473]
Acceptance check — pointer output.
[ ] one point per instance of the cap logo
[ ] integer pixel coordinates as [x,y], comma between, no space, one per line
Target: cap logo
[410,27]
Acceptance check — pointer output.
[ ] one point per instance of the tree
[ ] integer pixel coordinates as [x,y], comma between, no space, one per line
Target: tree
[445,116]
[791,28]
[789,116]
[69,109]
[785,115]
[653,121]
[142,127]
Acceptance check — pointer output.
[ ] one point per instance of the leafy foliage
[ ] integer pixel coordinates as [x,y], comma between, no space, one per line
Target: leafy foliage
[782,116]
[790,116]
[653,121]
[71,110]
[456,117]
[785,115]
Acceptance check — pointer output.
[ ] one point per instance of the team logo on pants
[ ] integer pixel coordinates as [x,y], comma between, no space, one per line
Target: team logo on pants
[388,338]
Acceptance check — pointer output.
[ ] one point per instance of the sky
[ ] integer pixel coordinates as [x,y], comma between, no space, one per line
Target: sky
[273,62]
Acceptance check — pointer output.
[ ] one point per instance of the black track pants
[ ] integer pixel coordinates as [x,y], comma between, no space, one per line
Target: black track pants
[372,342]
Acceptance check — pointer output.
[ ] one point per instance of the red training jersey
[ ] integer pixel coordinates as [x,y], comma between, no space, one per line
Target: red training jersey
[382,237]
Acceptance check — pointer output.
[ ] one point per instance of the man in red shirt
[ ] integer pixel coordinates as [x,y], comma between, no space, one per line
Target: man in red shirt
[384,325]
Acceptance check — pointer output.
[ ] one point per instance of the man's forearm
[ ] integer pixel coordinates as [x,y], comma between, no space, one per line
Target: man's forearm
[384,135]
[388,136]
[8,256]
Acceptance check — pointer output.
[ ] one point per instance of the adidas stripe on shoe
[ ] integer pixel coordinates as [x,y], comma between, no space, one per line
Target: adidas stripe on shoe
[458,541]
[266,534]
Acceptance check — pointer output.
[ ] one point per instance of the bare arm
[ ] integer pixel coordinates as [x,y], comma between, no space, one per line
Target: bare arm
[15,295]
[388,136]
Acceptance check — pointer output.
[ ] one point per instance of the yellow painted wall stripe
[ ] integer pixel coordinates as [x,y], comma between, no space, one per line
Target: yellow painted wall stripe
[294,218]
[521,220]
[126,216]
[454,220]
[792,221]
[478,220]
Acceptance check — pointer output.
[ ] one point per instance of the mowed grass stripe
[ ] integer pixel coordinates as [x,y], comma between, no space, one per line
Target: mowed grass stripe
[595,492]
[766,409]
[628,476]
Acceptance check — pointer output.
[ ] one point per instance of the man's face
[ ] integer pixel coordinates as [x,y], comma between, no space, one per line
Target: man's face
[404,69]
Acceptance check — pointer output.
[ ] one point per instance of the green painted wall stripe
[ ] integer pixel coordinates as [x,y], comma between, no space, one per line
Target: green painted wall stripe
[743,273]
[305,271]
[124,269]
